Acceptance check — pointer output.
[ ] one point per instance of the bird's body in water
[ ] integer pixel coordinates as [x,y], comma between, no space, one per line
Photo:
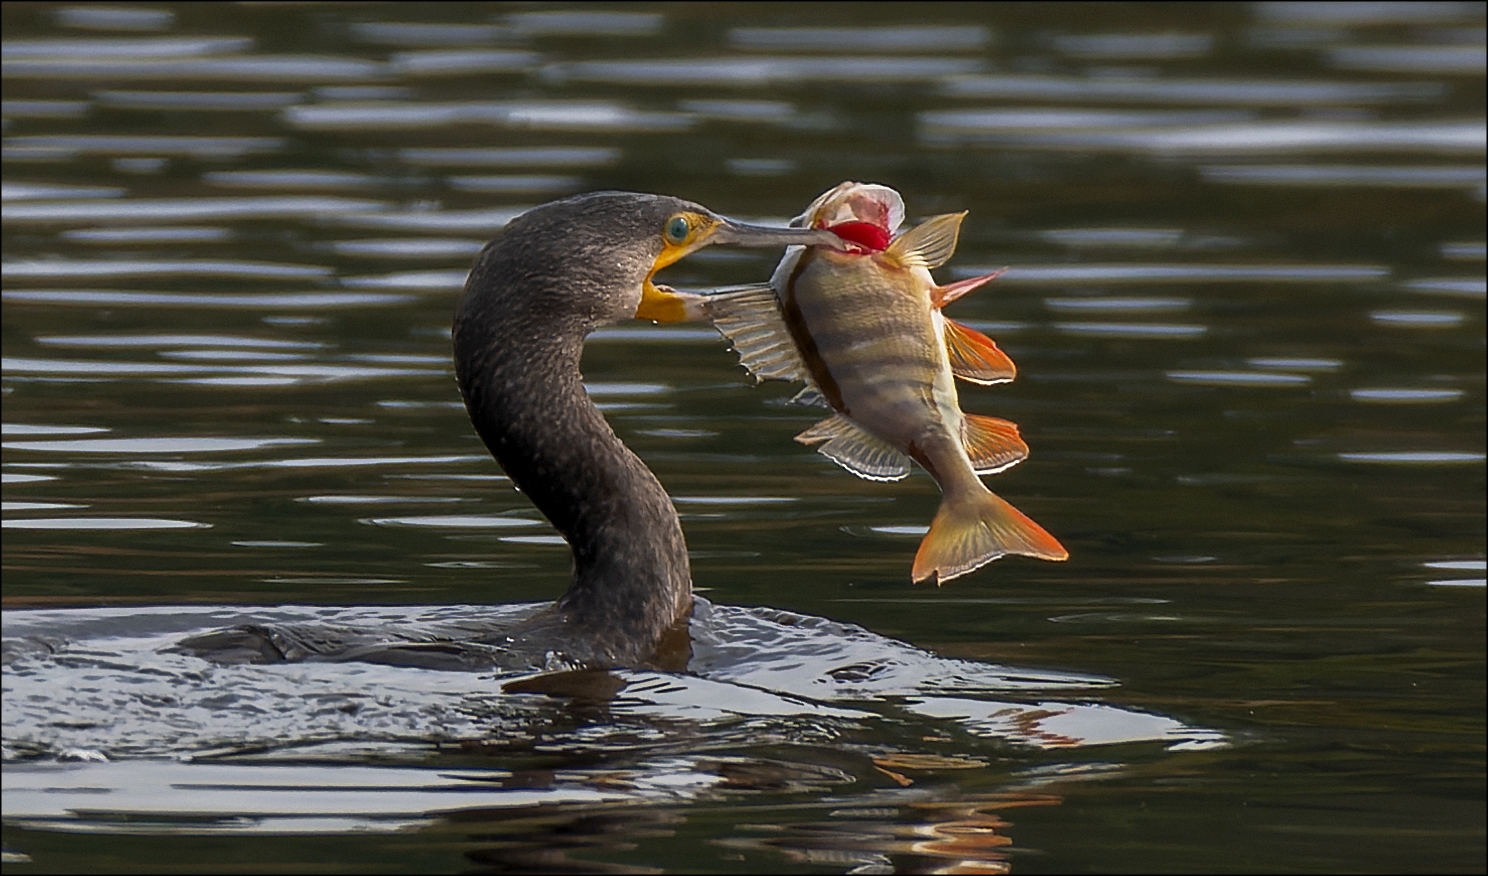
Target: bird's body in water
[548,279]
[536,291]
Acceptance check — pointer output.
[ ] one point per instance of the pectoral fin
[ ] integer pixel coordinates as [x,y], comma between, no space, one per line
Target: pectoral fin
[749,317]
[846,444]
[974,357]
[940,296]
[929,244]
[994,445]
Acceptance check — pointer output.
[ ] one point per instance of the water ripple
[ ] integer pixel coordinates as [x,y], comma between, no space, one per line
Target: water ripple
[407,248]
[549,115]
[155,341]
[264,301]
[14,191]
[759,72]
[113,18]
[1413,457]
[113,524]
[952,38]
[185,209]
[1155,331]
[60,269]
[13,429]
[192,444]
[453,521]
[512,156]
[1458,565]
[55,147]
[224,101]
[1114,238]
[411,33]
[1124,274]
[1204,92]
[422,281]
[1447,60]
[1135,46]
[585,22]
[124,47]
[1239,378]
[462,62]
[1379,176]
[1458,287]
[1475,251]
[291,179]
[515,184]
[1295,363]
[1123,305]
[1171,137]
[312,69]
[1405,396]
[146,235]
[1363,14]
[1432,319]
[485,222]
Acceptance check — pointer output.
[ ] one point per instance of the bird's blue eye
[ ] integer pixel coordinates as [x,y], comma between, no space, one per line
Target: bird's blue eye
[677,229]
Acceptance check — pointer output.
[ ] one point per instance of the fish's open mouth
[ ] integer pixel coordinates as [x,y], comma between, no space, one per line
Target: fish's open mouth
[863,215]
[864,234]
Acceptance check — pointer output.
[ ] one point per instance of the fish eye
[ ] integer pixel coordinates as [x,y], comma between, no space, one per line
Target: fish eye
[677,230]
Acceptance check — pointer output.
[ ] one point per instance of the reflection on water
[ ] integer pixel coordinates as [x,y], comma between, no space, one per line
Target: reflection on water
[1245,290]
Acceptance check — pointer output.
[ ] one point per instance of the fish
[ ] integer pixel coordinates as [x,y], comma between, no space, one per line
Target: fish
[861,325]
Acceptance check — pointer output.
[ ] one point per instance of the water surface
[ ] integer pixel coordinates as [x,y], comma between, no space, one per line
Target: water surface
[1245,291]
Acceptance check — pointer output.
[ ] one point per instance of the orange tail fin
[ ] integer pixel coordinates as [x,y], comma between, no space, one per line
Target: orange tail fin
[970,532]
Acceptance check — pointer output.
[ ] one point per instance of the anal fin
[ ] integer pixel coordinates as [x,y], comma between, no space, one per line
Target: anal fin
[974,357]
[845,443]
[994,445]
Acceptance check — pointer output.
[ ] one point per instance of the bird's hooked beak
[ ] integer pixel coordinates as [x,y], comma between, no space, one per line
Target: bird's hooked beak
[744,234]
[665,304]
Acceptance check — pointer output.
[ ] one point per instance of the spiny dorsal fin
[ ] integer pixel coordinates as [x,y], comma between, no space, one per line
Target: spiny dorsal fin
[929,244]
[974,357]
[846,444]
[749,317]
[994,445]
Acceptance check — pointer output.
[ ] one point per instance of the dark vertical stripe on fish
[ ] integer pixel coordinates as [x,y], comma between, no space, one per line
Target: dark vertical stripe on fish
[805,343]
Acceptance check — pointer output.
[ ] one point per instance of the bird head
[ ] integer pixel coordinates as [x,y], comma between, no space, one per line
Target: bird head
[593,256]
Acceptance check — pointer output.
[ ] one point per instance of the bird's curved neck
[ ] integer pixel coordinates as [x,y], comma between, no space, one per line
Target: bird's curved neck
[631,580]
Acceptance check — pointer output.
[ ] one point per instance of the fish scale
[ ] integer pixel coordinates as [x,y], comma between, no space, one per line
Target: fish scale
[880,345]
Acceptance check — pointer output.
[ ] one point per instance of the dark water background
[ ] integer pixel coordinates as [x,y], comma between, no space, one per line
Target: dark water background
[1246,297]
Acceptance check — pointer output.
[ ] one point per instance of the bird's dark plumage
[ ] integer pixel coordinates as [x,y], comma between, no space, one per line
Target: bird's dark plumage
[549,278]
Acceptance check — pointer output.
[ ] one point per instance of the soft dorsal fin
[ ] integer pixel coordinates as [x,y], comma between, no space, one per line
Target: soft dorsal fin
[974,357]
[994,445]
[940,296]
[845,443]
[929,244]
[749,317]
